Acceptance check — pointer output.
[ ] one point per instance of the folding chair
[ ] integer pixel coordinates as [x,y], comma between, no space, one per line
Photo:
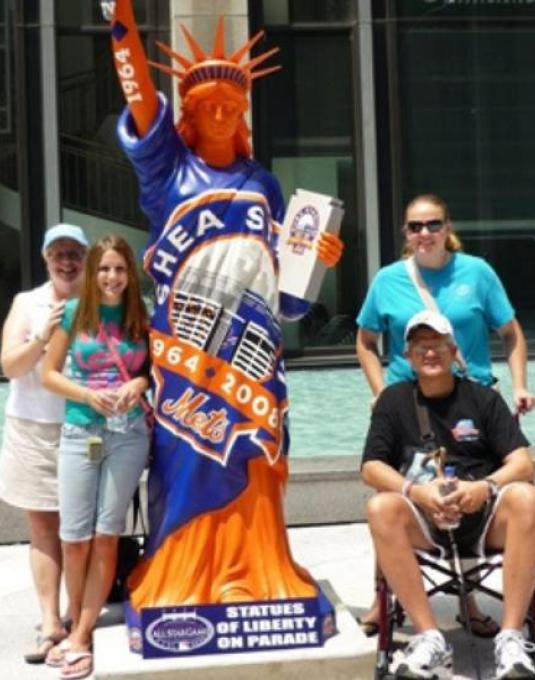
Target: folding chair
[439,577]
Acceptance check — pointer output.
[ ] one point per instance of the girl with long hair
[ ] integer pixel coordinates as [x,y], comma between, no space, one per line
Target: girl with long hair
[100,458]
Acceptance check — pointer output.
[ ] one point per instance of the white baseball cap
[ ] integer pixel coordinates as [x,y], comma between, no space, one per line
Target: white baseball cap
[428,319]
[69,231]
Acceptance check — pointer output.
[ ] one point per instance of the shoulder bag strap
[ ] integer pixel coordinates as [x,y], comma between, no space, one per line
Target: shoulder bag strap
[125,375]
[420,285]
[434,452]
[424,425]
[429,301]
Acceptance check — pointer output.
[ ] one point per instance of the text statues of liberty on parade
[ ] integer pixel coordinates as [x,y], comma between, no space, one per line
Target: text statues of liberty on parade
[217,547]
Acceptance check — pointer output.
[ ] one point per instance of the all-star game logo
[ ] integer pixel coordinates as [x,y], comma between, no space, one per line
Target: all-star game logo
[181,632]
[303,230]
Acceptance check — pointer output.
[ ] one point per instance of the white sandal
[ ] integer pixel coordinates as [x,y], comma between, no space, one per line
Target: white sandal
[72,658]
[56,656]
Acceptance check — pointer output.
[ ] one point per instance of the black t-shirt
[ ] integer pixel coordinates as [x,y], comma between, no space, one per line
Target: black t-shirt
[473,423]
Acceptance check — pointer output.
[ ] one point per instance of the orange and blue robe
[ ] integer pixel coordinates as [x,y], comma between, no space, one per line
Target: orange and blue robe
[217,530]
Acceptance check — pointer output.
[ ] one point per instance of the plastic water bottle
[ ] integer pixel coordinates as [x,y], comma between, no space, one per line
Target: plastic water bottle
[448,486]
[117,422]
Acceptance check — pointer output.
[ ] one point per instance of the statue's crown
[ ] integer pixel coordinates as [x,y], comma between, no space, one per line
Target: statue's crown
[216,66]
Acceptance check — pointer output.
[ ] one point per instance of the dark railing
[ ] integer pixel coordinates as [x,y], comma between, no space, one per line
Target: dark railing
[96,177]
[77,111]
[87,98]
[98,180]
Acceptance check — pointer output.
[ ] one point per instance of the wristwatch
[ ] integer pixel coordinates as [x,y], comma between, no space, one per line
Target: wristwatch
[494,489]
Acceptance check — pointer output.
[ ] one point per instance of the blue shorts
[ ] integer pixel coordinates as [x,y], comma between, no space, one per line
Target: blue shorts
[94,496]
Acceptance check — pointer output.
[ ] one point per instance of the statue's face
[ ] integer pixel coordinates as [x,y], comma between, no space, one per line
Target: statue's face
[218,114]
[217,118]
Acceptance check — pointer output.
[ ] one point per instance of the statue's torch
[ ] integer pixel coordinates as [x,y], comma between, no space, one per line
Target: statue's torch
[108,9]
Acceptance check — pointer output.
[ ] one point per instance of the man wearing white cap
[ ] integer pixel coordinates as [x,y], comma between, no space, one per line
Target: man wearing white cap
[492,505]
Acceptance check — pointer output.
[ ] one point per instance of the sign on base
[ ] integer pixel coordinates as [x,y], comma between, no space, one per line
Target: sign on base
[188,630]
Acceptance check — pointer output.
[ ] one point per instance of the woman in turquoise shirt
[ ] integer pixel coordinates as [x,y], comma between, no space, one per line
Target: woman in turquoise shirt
[468,291]
[104,442]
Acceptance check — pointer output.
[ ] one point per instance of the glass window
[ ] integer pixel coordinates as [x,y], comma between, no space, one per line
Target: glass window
[305,131]
[96,176]
[463,9]
[312,104]
[466,110]
[77,14]
[8,152]
[308,11]
[10,222]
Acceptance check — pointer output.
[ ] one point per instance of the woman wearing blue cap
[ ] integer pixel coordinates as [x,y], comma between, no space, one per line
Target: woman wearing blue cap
[33,419]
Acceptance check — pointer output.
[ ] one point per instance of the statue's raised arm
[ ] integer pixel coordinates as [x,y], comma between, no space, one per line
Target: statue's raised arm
[132,66]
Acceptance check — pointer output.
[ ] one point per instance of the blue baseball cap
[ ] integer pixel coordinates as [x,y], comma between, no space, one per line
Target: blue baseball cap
[64,231]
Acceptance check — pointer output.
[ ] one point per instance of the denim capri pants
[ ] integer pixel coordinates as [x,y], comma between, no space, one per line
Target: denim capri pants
[94,496]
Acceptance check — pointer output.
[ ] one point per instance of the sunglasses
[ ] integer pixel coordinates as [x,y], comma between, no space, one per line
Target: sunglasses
[416,226]
[71,255]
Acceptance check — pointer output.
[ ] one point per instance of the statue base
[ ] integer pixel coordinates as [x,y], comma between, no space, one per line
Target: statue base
[234,627]
[348,655]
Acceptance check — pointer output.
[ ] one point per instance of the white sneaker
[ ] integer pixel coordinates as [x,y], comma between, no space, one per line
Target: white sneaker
[426,656]
[511,655]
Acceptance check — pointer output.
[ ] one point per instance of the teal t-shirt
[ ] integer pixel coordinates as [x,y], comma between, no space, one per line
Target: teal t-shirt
[92,364]
[467,291]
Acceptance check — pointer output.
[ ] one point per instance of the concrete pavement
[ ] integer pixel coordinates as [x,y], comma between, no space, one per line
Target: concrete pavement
[338,554]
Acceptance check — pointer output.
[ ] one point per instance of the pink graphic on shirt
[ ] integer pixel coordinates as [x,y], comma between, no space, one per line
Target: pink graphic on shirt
[100,365]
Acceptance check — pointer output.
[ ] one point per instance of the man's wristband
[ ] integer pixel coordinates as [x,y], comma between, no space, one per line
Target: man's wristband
[494,489]
[406,488]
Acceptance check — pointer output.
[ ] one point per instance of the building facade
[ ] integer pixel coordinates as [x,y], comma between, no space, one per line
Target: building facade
[378,100]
